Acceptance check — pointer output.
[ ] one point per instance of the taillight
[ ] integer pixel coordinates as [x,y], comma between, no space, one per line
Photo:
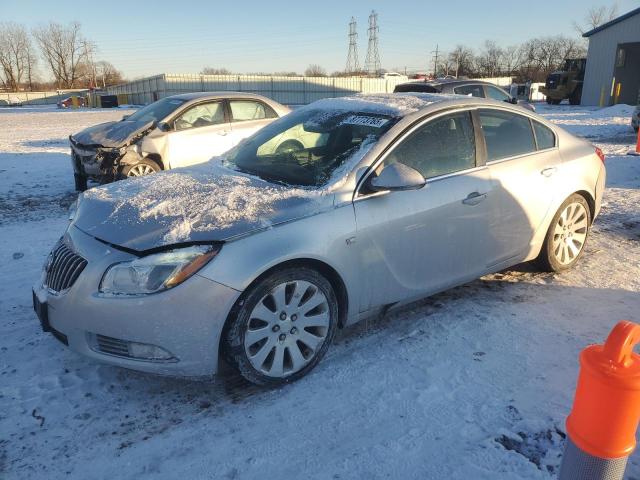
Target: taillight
[600,154]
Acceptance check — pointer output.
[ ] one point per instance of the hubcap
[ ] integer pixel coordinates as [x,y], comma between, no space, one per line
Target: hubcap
[140,170]
[286,328]
[570,233]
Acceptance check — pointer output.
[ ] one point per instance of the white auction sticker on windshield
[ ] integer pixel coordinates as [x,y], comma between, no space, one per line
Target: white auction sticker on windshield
[365,121]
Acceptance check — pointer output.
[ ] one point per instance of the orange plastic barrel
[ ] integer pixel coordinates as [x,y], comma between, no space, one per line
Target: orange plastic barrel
[606,408]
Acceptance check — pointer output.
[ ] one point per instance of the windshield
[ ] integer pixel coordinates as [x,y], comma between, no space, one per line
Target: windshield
[156,111]
[307,146]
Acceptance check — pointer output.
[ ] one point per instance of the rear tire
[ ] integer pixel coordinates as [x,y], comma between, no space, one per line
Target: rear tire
[282,327]
[576,96]
[144,167]
[567,235]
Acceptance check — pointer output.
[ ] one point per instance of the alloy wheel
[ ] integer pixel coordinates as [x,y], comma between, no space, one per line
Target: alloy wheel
[570,233]
[140,170]
[286,328]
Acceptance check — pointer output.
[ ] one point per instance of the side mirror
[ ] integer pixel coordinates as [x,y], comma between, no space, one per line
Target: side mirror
[395,177]
[514,101]
[124,117]
[164,127]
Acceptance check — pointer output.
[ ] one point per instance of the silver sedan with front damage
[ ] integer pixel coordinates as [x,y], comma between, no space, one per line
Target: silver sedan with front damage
[259,257]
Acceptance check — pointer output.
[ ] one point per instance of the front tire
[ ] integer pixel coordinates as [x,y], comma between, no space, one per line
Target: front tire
[282,327]
[80,181]
[144,167]
[567,235]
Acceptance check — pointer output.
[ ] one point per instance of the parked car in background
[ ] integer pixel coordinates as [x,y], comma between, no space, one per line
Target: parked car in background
[473,88]
[10,101]
[173,132]
[394,76]
[260,256]
[68,102]
[635,118]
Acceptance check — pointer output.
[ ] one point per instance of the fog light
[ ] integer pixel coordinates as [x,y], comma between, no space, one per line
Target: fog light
[148,352]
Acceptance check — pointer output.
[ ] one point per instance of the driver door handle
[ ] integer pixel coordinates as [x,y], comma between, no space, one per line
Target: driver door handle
[474,198]
[547,172]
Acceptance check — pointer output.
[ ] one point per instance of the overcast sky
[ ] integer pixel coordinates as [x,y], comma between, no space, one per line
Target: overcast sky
[147,37]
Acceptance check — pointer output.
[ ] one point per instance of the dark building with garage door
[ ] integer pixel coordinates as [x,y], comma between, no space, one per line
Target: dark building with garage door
[613,62]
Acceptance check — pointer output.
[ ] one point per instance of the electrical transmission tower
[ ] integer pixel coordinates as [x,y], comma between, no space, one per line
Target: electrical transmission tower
[352,57]
[372,64]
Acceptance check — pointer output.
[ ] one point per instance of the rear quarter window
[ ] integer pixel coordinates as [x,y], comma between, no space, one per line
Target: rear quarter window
[471,90]
[544,136]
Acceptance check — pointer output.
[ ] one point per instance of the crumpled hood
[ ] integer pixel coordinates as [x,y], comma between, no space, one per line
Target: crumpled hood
[203,203]
[111,134]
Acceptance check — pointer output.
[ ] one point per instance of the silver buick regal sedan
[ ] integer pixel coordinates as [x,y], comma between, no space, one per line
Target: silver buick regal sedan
[260,256]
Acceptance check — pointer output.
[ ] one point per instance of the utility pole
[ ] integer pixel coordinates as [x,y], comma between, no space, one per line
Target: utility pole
[352,56]
[435,54]
[372,64]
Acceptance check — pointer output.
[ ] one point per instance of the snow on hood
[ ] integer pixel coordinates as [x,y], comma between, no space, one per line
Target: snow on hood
[203,203]
[111,134]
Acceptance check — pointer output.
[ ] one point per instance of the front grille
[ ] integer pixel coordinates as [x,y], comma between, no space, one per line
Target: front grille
[63,268]
[112,346]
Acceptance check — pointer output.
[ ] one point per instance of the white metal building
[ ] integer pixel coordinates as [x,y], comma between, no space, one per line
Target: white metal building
[613,62]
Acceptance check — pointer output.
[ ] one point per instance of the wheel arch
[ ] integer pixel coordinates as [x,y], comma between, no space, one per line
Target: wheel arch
[325,269]
[156,158]
[590,200]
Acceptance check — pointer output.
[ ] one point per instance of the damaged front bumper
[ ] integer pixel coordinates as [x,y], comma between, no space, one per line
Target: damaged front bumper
[101,164]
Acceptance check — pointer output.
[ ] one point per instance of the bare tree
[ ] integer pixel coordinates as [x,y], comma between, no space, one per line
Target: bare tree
[510,60]
[597,16]
[461,59]
[17,59]
[215,71]
[315,71]
[489,60]
[107,74]
[64,50]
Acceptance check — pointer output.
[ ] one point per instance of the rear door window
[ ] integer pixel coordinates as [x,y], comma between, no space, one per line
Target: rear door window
[506,134]
[245,110]
[440,147]
[470,90]
[544,136]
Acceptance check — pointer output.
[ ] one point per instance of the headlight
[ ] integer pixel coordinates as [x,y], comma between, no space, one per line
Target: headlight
[73,208]
[156,272]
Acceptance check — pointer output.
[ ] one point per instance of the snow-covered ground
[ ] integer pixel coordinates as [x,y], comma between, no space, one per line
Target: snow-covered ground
[473,383]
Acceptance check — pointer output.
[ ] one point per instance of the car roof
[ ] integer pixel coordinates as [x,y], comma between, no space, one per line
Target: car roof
[198,96]
[403,104]
[214,95]
[449,81]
